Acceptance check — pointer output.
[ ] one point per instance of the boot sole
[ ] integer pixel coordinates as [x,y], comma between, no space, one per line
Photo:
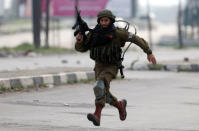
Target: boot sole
[125,104]
[93,119]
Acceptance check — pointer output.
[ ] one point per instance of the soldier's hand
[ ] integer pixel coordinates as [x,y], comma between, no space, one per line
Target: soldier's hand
[79,38]
[151,58]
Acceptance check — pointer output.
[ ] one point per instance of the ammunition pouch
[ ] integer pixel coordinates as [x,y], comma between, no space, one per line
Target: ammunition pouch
[109,54]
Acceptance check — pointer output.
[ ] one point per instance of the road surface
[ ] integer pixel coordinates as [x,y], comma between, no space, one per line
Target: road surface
[157,101]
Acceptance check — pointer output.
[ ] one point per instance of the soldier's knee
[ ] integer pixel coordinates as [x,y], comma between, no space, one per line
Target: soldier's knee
[99,89]
[108,98]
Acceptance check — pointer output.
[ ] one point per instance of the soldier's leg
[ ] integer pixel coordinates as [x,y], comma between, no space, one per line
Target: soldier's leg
[112,100]
[107,78]
[100,99]
[99,91]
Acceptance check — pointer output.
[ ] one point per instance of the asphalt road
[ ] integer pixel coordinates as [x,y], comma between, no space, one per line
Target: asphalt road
[157,101]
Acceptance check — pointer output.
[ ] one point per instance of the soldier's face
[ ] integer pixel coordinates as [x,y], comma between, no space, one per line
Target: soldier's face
[104,22]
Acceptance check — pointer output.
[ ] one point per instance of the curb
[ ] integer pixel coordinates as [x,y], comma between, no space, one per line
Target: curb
[167,67]
[48,80]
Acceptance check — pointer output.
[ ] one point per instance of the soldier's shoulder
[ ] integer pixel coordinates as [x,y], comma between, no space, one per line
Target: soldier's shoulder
[121,32]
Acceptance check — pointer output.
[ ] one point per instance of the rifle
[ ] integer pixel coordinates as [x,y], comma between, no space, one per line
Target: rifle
[80,25]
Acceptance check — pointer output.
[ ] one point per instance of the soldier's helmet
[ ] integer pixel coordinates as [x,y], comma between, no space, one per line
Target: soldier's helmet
[105,13]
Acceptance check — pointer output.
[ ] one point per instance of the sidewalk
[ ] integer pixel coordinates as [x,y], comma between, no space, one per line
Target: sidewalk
[41,71]
[46,77]
[185,65]
[47,71]
[169,59]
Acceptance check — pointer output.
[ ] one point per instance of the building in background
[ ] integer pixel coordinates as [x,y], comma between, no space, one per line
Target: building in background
[22,8]
[124,9]
[134,8]
[14,9]
[28,9]
[17,9]
[191,19]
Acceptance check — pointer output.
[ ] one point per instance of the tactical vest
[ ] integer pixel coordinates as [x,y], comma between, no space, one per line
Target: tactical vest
[108,54]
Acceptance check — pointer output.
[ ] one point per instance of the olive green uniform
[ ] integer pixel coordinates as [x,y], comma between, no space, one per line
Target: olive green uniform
[107,72]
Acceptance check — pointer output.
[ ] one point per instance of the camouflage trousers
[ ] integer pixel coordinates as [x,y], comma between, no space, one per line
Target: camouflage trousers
[106,73]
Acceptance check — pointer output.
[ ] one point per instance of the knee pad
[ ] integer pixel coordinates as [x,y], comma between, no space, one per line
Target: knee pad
[99,89]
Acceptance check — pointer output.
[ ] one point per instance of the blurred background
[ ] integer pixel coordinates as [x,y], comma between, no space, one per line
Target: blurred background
[37,50]
[32,27]
[166,20]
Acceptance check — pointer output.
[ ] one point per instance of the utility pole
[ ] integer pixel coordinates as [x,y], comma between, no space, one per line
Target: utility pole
[36,9]
[180,39]
[76,2]
[149,24]
[134,7]
[47,24]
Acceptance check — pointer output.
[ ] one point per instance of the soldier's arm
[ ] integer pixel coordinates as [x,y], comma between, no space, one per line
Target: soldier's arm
[129,37]
[141,43]
[81,45]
